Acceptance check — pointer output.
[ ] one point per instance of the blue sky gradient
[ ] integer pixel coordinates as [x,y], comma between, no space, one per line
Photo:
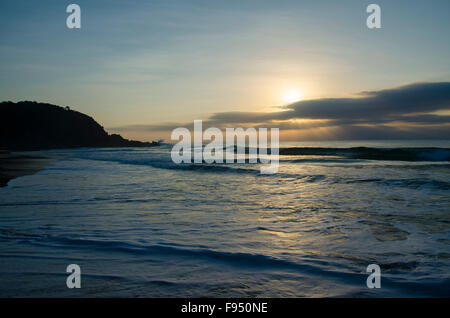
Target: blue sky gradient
[149,62]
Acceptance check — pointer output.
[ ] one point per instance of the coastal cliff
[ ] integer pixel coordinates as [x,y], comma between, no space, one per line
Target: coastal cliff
[35,126]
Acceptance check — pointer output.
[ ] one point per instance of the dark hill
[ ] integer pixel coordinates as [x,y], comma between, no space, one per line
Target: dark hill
[32,126]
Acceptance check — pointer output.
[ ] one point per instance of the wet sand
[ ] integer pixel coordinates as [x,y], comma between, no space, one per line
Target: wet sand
[17,164]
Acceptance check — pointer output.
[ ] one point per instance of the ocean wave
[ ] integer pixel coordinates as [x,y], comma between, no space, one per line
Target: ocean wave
[160,158]
[322,268]
[322,160]
[389,154]
[256,261]
[164,162]
[414,183]
[409,183]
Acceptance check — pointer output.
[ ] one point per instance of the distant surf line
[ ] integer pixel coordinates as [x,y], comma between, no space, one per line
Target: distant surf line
[213,152]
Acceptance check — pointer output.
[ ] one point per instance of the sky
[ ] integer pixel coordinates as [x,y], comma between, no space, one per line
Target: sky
[311,68]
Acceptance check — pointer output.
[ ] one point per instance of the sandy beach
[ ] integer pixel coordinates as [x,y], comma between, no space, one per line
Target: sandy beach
[17,164]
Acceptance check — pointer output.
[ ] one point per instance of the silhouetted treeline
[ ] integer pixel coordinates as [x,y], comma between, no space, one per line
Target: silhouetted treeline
[31,125]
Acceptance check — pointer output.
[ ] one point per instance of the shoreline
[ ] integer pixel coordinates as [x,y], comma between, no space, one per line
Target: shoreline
[18,164]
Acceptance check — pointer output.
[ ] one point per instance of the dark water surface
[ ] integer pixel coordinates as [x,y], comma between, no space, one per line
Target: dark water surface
[138,225]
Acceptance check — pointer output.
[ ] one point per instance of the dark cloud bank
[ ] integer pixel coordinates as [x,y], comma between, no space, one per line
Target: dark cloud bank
[405,112]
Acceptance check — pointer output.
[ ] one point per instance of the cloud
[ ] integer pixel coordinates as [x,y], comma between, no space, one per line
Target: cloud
[408,111]
[407,99]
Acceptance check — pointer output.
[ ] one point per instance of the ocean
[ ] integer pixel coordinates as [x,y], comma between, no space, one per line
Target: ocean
[139,225]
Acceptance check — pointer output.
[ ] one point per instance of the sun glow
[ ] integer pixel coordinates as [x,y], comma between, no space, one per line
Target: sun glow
[292,96]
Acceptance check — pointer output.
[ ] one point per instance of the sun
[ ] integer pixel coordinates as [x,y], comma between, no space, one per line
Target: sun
[292,96]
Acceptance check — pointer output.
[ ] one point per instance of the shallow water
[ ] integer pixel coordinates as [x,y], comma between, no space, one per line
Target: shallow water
[139,225]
